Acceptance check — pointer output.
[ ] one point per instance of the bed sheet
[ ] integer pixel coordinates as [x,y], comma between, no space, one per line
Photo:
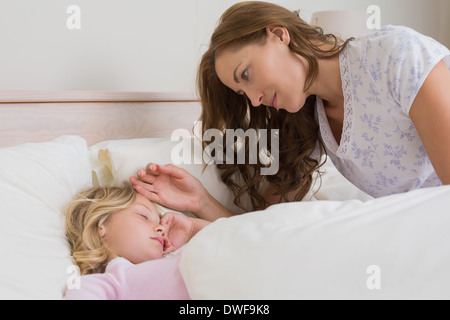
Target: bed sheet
[394,247]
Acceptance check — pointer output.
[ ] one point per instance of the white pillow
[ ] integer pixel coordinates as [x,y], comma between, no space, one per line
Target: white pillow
[37,180]
[115,161]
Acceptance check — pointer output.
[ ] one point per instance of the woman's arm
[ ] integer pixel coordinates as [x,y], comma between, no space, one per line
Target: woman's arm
[211,209]
[430,114]
[177,189]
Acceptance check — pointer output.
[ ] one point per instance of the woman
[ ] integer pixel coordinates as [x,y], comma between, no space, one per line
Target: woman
[378,105]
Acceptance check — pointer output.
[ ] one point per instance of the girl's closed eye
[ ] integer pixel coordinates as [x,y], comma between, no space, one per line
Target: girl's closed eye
[143,216]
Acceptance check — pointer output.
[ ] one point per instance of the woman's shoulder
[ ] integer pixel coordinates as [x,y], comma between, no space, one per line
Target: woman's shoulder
[396,59]
[397,39]
[395,50]
[391,32]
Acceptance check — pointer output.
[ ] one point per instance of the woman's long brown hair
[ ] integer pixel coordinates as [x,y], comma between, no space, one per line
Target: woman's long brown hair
[242,24]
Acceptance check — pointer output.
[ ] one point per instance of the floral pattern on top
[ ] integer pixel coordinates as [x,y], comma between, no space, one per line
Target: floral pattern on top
[380,149]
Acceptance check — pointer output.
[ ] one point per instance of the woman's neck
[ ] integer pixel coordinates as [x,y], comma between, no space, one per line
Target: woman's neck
[328,84]
[328,87]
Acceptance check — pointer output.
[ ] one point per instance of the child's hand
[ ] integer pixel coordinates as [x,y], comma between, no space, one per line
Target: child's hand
[179,230]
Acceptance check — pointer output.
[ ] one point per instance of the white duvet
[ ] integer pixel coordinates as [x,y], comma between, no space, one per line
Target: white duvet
[396,247]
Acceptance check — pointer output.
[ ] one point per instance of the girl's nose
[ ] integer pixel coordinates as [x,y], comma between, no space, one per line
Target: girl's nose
[161,229]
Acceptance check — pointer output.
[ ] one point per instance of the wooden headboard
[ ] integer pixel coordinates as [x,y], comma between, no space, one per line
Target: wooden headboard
[38,116]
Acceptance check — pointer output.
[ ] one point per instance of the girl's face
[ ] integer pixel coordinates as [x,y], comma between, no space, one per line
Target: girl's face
[135,233]
[269,74]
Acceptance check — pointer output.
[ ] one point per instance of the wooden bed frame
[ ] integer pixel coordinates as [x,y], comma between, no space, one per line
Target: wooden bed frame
[39,116]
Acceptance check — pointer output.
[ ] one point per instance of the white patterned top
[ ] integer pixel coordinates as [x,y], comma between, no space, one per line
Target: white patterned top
[380,150]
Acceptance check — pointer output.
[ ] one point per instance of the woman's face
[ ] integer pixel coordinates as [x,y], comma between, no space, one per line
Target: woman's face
[135,233]
[270,74]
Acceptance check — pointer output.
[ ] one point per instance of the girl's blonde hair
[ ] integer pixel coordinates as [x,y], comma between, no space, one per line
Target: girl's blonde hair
[84,215]
[242,24]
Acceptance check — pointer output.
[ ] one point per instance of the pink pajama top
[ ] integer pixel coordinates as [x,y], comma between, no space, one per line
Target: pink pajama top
[122,280]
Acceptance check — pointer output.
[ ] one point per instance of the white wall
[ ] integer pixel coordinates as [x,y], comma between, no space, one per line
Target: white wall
[123,45]
[147,45]
[444,22]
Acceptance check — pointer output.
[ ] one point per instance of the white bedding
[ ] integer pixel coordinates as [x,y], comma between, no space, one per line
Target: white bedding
[37,180]
[389,248]
[311,249]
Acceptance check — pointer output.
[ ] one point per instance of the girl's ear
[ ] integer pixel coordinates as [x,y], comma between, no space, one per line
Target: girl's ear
[102,231]
[280,32]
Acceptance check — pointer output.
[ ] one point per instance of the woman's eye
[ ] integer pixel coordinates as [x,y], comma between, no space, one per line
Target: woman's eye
[245,75]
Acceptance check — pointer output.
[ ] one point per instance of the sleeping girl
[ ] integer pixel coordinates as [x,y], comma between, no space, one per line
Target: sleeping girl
[119,242]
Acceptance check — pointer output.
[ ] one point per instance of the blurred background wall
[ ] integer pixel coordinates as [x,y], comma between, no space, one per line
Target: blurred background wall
[147,45]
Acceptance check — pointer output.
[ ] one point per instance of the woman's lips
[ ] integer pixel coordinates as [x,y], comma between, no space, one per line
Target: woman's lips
[274,102]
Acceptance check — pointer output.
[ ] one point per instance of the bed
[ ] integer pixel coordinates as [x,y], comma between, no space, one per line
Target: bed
[338,243]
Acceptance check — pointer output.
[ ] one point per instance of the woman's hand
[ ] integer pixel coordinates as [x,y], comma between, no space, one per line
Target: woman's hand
[171,187]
